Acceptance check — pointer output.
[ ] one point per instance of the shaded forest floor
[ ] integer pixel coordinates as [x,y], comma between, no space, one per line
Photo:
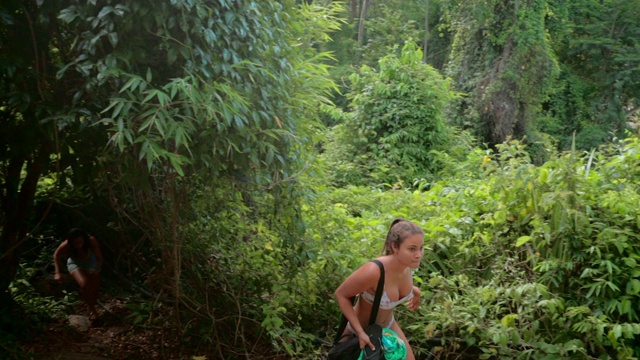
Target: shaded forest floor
[112,336]
[45,320]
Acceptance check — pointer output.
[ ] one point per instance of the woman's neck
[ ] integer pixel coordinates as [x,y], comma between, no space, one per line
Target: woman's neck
[393,265]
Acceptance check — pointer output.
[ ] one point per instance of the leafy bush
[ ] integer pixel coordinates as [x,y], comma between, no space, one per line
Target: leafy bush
[396,122]
[38,307]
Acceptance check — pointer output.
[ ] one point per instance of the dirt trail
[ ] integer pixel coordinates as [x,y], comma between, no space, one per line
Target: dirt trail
[111,337]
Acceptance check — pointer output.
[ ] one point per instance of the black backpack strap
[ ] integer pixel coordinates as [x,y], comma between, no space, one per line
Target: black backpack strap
[374,308]
[379,289]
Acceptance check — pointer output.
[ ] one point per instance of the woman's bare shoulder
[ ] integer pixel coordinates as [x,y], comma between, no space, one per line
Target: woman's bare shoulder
[62,248]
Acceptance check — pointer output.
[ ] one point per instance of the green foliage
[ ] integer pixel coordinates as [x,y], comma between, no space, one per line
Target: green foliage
[387,25]
[140,312]
[596,43]
[522,261]
[494,320]
[208,98]
[39,309]
[397,120]
[241,271]
[189,95]
[566,236]
[386,28]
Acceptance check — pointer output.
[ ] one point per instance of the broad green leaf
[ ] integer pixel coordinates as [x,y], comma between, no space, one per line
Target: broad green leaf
[523,240]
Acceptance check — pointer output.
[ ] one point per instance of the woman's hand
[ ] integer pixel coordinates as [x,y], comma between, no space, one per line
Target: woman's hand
[414,302]
[364,340]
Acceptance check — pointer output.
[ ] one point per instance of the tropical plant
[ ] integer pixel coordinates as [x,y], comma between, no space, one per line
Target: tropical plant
[596,44]
[396,122]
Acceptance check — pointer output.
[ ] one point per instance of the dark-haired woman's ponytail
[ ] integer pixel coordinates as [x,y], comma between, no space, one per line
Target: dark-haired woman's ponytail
[391,237]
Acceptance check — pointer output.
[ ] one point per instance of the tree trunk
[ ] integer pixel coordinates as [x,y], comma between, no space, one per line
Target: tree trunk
[363,14]
[353,11]
[17,202]
[426,34]
[176,248]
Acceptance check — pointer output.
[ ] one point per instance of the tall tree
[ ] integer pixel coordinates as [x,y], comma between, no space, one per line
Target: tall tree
[364,7]
[502,59]
[425,42]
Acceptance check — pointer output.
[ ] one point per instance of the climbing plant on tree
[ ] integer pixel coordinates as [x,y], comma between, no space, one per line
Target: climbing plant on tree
[502,59]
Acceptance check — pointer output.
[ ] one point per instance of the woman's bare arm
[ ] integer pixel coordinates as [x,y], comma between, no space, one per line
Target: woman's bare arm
[62,248]
[359,281]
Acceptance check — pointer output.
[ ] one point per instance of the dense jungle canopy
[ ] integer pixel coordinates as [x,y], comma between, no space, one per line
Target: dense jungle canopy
[238,159]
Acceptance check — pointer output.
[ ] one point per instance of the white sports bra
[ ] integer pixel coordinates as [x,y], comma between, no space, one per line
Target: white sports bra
[385,302]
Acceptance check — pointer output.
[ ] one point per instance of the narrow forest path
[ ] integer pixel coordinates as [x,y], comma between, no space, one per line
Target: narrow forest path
[111,337]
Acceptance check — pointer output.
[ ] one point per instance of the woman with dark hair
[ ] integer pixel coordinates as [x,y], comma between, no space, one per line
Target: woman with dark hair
[83,263]
[402,252]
